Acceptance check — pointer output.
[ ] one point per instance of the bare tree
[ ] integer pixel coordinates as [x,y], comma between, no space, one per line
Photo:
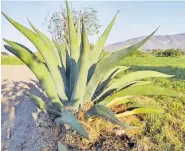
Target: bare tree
[57,22]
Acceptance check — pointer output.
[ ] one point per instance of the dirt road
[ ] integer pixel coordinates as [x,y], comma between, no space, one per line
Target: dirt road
[18,128]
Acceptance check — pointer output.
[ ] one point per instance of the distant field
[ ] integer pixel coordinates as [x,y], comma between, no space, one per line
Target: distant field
[154,61]
[129,61]
[12,60]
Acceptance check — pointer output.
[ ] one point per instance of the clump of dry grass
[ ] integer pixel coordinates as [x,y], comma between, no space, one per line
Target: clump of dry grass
[102,134]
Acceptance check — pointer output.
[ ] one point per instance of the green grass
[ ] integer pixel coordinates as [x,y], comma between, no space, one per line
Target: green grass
[161,132]
[13,60]
[154,61]
[10,60]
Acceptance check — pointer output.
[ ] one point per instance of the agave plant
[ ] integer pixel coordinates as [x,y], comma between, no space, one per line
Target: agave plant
[72,74]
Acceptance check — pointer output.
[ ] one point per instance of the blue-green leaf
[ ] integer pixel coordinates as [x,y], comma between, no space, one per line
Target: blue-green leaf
[102,111]
[68,118]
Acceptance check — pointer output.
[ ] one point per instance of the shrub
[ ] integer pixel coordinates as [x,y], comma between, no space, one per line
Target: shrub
[168,53]
[139,53]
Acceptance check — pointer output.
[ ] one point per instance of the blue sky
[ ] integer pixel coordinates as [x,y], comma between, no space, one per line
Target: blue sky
[134,20]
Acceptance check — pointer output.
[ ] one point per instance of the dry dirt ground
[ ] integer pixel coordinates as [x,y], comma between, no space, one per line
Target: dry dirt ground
[19,129]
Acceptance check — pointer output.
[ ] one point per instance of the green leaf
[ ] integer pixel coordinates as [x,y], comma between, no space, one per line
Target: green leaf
[139,111]
[62,53]
[135,76]
[100,110]
[61,147]
[38,101]
[61,85]
[68,59]
[38,68]
[74,49]
[79,31]
[53,110]
[46,53]
[140,90]
[68,118]
[80,86]
[116,102]
[131,78]
[66,46]
[115,71]
[134,105]
[125,46]
[97,50]
[48,43]
[136,83]
[103,67]
[107,79]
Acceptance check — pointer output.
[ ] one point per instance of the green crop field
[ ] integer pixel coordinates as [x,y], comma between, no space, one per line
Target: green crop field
[160,132]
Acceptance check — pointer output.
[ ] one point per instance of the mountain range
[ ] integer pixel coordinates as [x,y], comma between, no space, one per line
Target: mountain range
[156,42]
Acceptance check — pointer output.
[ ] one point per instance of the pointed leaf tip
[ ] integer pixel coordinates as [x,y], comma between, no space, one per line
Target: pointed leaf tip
[4,39]
[117,12]
[102,111]
[68,118]
[3,13]
[156,30]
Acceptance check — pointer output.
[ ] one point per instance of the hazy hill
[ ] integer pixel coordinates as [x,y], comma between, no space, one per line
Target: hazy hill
[156,42]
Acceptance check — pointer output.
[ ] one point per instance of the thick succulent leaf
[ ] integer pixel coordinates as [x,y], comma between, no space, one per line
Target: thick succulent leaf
[104,55]
[108,78]
[131,79]
[51,109]
[103,67]
[67,60]
[148,90]
[80,85]
[125,46]
[48,43]
[136,83]
[68,118]
[97,50]
[38,68]
[79,31]
[66,46]
[140,90]
[116,102]
[46,53]
[74,49]
[62,53]
[134,105]
[38,101]
[135,76]
[115,71]
[102,111]
[61,147]
[139,111]
[63,83]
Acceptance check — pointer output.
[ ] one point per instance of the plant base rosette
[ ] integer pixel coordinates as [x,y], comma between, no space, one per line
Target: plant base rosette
[102,133]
